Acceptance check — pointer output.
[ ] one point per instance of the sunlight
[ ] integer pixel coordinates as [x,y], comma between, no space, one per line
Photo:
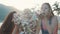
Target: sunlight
[22,4]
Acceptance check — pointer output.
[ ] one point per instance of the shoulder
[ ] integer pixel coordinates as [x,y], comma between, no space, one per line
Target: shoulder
[55,19]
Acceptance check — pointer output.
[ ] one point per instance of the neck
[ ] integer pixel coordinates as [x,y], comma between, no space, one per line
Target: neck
[49,16]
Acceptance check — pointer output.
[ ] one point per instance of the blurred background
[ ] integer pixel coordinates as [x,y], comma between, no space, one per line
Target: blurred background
[7,6]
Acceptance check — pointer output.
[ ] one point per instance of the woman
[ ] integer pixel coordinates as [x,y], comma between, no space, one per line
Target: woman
[48,21]
[8,25]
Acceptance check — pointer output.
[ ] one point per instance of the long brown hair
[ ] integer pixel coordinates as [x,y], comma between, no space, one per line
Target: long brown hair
[8,26]
[49,8]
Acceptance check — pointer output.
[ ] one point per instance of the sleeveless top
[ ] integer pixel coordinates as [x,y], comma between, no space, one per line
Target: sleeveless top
[43,26]
[44,29]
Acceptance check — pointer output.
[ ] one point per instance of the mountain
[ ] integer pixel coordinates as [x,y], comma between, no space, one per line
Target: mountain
[4,10]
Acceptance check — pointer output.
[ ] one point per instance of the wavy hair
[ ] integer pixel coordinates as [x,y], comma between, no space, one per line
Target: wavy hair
[49,7]
[8,25]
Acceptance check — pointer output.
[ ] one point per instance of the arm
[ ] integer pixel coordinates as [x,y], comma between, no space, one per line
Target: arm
[55,30]
[38,26]
[56,27]
[53,26]
[15,31]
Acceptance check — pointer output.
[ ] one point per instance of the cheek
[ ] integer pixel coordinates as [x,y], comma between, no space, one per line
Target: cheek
[41,12]
[46,11]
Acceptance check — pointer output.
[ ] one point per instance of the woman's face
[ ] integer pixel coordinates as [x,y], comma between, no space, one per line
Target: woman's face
[45,9]
[16,18]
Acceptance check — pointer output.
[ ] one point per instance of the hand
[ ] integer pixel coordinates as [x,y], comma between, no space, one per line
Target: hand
[16,19]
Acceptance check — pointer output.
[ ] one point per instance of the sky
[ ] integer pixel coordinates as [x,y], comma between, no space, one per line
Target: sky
[22,4]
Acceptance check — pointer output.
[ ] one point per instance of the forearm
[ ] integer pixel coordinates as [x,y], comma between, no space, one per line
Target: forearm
[55,30]
[49,30]
[38,30]
[15,31]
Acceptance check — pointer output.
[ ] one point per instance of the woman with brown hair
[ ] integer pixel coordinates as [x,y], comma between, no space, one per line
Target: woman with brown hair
[8,25]
[48,22]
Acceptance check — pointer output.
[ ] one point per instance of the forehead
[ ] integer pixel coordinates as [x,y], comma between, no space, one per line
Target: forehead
[45,5]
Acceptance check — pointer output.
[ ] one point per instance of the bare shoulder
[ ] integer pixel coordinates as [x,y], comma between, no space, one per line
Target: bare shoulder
[55,20]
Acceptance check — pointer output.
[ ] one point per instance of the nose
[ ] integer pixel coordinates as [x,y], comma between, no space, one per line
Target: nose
[42,14]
